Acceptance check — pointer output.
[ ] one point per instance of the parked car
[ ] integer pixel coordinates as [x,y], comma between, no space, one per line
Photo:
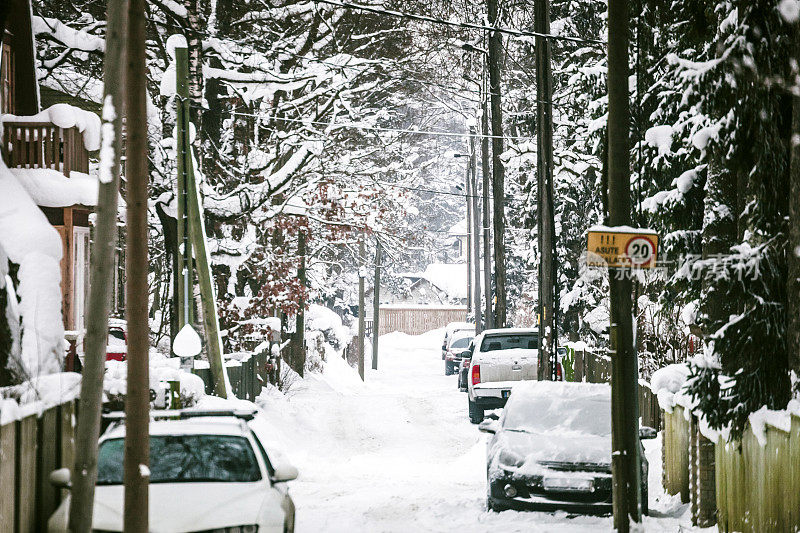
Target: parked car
[208,472]
[458,342]
[500,358]
[450,329]
[117,348]
[551,449]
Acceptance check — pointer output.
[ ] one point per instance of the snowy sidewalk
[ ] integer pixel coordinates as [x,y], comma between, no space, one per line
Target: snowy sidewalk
[398,454]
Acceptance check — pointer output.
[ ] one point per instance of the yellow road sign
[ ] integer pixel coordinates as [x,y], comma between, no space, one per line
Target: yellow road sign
[618,247]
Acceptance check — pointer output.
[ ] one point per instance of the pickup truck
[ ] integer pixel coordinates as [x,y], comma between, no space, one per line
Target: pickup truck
[500,358]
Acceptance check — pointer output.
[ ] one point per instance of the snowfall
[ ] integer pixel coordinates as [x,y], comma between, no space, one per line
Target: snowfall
[397,452]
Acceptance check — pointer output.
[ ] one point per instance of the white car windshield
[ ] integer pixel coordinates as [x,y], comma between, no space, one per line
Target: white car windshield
[185,459]
[542,414]
[509,342]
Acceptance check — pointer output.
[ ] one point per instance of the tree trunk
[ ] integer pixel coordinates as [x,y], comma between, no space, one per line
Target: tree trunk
[498,171]
[546,230]
[793,244]
[101,275]
[137,403]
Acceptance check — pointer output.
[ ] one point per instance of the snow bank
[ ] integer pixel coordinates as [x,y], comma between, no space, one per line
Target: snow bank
[67,116]
[27,239]
[667,382]
[50,188]
[37,395]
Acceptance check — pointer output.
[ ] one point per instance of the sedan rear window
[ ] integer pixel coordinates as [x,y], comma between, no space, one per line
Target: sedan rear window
[185,459]
[509,342]
[463,342]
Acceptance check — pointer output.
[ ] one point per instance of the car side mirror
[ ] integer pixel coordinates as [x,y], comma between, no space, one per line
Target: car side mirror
[488,426]
[61,478]
[284,473]
[646,432]
[466,354]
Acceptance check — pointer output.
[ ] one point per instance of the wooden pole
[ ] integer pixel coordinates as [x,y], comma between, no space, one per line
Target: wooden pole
[300,324]
[361,311]
[487,222]
[468,251]
[185,266]
[208,301]
[793,241]
[475,249]
[544,137]
[84,473]
[498,171]
[376,304]
[137,402]
[624,415]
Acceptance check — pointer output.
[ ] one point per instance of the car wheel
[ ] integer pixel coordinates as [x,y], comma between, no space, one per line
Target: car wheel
[475,413]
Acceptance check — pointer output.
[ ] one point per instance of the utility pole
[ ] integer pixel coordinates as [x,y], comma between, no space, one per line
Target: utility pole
[376,304]
[468,251]
[498,171]
[87,432]
[300,320]
[182,116]
[624,410]
[793,270]
[485,175]
[362,331]
[195,233]
[475,250]
[546,231]
[137,401]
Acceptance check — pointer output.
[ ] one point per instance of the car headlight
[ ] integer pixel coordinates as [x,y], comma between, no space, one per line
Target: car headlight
[509,458]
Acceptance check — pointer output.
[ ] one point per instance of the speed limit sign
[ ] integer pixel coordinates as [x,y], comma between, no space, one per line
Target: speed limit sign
[640,250]
[621,247]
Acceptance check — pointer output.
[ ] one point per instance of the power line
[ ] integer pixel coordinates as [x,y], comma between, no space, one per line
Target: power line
[357,126]
[462,25]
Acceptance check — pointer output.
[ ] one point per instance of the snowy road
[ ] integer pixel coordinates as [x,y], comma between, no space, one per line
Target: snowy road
[397,453]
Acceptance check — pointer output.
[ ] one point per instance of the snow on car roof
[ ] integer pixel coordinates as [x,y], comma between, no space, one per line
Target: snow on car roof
[207,425]
[511,331]
[562,389]
[457,326]
[463,333]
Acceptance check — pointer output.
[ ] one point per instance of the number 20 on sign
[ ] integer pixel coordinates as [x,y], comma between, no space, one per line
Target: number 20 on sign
[620,249]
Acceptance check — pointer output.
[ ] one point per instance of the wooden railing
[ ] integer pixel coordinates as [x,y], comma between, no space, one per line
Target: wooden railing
[44,145]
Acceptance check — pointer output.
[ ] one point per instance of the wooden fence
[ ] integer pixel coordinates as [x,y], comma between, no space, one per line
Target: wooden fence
[675,453]
[244,377]
[758,487]
[418,320]
[596,368]
[30,449]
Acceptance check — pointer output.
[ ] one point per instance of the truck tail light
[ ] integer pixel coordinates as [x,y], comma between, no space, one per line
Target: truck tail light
[476,374]
[559,372]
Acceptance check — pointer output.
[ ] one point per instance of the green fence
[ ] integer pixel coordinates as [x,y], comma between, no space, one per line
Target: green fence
[243,375]
[758,487]
[675,452]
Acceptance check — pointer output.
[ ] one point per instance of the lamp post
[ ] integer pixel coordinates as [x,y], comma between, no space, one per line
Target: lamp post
[473,234]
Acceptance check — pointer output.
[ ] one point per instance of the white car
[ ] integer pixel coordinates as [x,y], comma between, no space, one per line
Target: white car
[457,344]
[500,358]
[450,329]
[208,472]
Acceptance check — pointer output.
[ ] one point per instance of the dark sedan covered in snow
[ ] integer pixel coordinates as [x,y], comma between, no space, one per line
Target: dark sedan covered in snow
[551,449]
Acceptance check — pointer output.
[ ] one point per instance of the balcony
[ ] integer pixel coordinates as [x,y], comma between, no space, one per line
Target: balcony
[44,145]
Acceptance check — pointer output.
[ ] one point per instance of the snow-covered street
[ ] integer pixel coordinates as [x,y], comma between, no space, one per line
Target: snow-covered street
[398,453]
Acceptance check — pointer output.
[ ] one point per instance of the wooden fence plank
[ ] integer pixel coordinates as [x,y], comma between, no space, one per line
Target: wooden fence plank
[8,452]
[49,446]
[26,475]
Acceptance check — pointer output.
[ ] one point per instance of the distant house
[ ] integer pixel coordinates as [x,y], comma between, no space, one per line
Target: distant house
[48,152]
[457,243]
